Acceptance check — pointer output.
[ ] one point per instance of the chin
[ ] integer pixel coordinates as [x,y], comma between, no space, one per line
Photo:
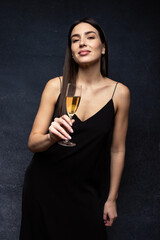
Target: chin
[88,63]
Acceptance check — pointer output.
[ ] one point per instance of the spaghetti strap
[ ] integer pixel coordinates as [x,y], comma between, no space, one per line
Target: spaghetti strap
[60,84]
[114,89]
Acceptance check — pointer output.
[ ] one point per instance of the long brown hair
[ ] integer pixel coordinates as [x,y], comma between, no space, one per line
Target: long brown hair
[70,68]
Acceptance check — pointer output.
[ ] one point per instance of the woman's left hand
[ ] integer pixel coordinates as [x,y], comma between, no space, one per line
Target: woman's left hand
[109,212]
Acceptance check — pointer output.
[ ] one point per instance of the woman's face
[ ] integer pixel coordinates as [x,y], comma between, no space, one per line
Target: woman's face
[86,45]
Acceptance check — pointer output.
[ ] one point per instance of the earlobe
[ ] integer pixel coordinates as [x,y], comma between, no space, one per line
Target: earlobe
[103,50]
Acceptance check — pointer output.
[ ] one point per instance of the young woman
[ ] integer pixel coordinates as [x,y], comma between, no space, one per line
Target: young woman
[71,193]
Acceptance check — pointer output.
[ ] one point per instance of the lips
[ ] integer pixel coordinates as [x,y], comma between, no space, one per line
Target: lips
[83,52]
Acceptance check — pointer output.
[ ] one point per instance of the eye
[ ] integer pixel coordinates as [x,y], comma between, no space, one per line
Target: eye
[74,40]
[91,37]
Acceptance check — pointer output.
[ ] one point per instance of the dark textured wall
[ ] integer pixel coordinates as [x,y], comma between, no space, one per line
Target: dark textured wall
[32,46]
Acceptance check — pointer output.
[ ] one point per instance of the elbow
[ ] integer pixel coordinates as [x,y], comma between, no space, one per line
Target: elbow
[31,149]
[31,146]
[118,149]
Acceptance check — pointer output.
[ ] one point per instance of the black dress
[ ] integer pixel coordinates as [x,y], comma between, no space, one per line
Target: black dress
[65,188]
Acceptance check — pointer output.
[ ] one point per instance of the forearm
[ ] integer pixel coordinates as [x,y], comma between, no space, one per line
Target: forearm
[40,142]
[116,169]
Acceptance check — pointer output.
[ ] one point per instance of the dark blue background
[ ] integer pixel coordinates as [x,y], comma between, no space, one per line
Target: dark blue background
[32,47]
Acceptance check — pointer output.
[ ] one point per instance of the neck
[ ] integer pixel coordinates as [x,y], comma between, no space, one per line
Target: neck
[89,75]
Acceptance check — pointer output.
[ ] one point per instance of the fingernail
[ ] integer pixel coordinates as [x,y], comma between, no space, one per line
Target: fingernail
[69,137]
[71,130]
[70,123]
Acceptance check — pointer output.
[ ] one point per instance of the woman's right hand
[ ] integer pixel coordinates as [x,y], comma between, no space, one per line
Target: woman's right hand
[60,128]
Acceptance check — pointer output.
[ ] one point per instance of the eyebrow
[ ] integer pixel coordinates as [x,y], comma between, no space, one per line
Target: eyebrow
[86,33]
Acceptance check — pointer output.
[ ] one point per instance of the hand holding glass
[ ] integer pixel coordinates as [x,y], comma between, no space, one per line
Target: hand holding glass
[73,96]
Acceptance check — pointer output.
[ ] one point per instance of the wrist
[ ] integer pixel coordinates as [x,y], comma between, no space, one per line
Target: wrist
[112,198]
[50,138]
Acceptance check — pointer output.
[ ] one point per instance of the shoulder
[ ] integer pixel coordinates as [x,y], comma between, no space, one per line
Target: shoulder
[52,89]
[122,97]
[54,83]
[122,90]
[121,94]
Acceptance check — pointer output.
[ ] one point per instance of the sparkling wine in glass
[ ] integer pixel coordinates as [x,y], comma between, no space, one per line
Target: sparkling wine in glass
[73,97]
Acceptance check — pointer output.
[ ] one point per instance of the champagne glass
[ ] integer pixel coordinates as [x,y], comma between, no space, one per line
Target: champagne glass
[73,97]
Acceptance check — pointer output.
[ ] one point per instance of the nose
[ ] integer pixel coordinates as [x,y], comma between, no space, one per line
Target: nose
[82,42]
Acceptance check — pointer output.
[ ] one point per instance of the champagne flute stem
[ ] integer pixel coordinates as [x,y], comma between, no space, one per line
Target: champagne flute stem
[70,116]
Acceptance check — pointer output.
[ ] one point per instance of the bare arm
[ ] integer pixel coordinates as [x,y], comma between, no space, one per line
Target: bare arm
[39,139]
[117,151]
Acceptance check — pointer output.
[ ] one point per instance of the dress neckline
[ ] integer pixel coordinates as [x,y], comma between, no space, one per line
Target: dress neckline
[92,116]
